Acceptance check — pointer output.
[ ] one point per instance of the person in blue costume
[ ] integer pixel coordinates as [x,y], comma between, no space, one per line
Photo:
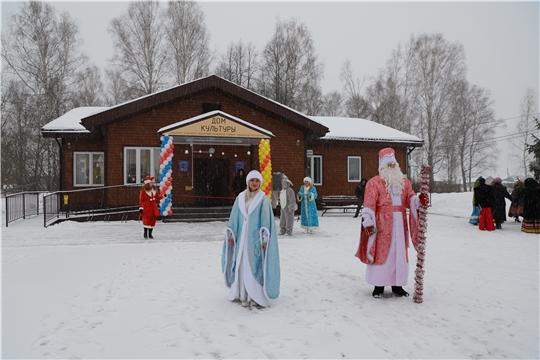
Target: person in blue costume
[473,220]
[309,218]
[250,257]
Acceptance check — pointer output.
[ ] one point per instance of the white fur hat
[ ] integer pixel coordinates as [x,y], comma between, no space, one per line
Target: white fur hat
[254,174]
[307,178]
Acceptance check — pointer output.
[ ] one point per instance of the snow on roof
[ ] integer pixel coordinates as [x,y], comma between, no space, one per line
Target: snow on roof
[70,122]
[342,128]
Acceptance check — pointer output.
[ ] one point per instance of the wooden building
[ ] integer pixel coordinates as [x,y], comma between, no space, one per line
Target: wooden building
[216,126]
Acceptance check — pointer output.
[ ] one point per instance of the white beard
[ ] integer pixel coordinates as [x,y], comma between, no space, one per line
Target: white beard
[393,177]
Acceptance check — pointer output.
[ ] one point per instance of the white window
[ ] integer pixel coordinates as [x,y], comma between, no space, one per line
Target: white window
[88,169]
[354,168]
[140,162]
[314,163]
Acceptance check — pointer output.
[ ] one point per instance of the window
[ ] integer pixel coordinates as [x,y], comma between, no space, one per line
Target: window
[88,169]
[354,168]
[314,163]
[140,163]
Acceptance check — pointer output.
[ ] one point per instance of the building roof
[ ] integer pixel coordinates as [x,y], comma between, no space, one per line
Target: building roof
[362,130]
[188,90]
[82,121]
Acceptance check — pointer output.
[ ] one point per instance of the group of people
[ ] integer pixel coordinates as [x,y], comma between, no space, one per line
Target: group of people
[250,255]
[489,206]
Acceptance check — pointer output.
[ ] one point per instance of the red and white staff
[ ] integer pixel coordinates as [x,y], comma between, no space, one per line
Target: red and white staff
[422,228]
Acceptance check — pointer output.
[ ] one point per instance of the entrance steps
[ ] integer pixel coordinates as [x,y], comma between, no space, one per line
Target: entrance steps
[199,214]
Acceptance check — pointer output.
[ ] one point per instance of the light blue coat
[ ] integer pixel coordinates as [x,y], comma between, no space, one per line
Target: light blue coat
[309,218]
[252,227]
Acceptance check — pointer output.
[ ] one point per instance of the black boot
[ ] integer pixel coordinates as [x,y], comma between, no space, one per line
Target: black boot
[378,292]
[150,233]
[399,292]
[145,233]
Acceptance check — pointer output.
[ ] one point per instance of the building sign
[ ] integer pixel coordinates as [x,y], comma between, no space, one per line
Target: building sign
[217,126]
[240,165]
[183,165]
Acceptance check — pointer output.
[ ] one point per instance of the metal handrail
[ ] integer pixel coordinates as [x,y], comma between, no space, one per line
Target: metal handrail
[89,203]
[21,205]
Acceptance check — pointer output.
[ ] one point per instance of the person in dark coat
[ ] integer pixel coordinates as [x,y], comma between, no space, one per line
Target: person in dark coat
[359,192]
[531,207]
[499,205]
[483,199]
[239,182]
[516,208]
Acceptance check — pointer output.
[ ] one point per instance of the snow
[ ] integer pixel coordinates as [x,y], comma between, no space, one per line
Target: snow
[343,128]
[99,290]
[71,121]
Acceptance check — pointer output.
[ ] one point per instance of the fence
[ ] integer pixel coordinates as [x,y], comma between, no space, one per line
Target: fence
[104,203]
[21,205]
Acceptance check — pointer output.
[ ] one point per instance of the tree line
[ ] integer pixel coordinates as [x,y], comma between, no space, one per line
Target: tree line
[421,90]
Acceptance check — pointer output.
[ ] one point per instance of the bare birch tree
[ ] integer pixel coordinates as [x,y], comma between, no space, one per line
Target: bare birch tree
[41,55]
[526,128]
[391,94]
[470,138]
[290,68]
[117,89]
[437,64]
[239,64]
[139,49]
[332,104]
[355,104]
[89,91]
[187,40]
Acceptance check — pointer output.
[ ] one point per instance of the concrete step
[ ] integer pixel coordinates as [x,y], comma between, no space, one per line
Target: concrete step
[199,214]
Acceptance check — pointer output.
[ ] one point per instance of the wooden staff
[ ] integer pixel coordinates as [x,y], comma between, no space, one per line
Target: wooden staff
[421,247]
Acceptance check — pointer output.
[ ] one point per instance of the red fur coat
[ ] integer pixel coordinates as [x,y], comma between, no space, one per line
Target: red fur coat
[148,202]
[378,203]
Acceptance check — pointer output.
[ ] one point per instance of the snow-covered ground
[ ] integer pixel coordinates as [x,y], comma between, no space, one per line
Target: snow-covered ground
[99,290]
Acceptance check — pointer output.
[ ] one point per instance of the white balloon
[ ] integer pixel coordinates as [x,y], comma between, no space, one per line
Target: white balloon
[166,162]
[167,146]
[164,213]
[168,192]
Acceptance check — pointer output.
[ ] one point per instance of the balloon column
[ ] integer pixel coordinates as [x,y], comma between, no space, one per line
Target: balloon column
[165,171]
[265,164]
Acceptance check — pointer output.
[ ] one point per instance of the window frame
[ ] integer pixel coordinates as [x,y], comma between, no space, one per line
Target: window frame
[91,155]
[153,166]
[311,161]
[359,168]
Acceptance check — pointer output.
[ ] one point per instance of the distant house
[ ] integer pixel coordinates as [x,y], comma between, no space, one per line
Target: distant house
[216,126]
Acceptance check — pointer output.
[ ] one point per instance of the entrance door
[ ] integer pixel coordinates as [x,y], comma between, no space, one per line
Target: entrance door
[211,177]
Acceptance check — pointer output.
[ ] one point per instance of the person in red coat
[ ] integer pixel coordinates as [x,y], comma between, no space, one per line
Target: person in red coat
[148,206]
[384,238]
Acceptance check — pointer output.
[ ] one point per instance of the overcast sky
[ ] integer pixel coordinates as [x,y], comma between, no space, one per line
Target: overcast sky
[500,39]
